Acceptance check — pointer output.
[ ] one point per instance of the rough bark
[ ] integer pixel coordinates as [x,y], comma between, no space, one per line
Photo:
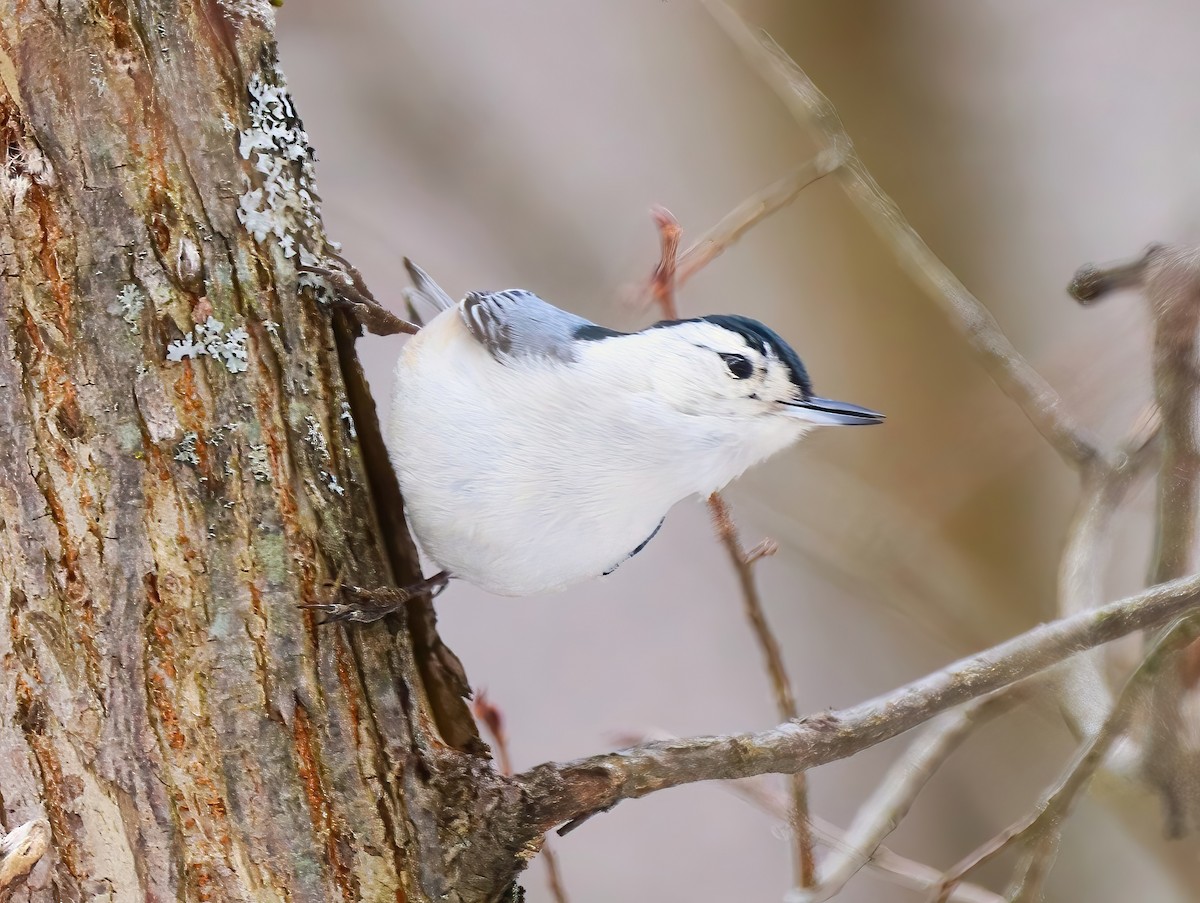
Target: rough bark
[188,731]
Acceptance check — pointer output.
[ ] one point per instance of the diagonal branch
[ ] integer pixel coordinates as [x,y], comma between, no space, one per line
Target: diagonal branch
[1003,363]
[560,792]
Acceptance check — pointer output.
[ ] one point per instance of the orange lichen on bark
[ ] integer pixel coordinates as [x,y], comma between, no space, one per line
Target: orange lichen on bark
[348,681]
[52,236]
[160,666]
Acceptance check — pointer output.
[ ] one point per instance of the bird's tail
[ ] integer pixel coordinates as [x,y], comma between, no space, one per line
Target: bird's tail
[425,289]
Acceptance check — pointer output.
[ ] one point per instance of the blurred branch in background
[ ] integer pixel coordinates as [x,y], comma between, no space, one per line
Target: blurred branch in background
[882,812]
[1171,279]
[1041,829]
[1171,285]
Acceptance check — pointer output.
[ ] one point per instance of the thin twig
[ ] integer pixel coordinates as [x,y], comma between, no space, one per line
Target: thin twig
[1010,371]
[781,685]
[1041,828]
[1091,283]
[885,862]
[492,719]
[663,291]
[889,804]
[662,282]
[751,212]
[565,791]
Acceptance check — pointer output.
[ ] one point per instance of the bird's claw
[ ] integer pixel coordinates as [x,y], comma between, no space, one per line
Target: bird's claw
[350,292]
[359,605]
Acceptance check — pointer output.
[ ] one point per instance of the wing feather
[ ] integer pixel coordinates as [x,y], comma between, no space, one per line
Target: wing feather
[516,324]
[426,289]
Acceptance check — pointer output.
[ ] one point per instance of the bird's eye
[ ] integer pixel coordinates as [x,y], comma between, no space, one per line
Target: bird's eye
[739,367]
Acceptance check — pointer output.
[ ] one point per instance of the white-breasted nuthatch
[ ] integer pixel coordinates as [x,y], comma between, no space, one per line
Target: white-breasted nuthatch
[536,449]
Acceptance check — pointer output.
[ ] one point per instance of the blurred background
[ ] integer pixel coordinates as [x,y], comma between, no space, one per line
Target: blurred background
[522,144]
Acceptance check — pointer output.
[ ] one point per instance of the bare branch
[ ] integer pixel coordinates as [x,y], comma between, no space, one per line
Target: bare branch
[492,718]
[1172,288]
[662,283]
[560,792]
[886,863]
[887,806]
[1010,371]
[785,700]
[751,212]
[918,876]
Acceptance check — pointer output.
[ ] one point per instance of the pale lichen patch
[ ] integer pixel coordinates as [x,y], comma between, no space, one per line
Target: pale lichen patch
[316,438]
[186,450]
[285,203]
[318,287]
[130,303]
[210,339]
[348,418]
[260,467]
[331,481]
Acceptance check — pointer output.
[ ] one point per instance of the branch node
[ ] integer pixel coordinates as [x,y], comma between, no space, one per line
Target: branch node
[1091,282]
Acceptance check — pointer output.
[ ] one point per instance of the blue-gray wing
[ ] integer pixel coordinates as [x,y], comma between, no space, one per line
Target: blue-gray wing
[516,324]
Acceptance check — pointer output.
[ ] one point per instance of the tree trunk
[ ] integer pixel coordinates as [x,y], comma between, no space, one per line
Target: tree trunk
[190,451]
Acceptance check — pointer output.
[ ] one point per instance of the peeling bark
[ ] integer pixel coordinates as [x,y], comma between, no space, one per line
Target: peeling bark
[185,729]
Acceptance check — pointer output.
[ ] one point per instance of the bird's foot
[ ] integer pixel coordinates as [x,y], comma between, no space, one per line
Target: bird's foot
[350,292]
[357,605]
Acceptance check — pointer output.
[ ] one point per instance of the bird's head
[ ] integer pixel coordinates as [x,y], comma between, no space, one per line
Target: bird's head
[736,368]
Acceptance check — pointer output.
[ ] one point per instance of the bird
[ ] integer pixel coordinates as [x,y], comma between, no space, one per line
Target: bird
[536,449]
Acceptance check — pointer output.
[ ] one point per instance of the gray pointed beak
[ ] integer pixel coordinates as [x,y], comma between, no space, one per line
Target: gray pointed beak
[826,412]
